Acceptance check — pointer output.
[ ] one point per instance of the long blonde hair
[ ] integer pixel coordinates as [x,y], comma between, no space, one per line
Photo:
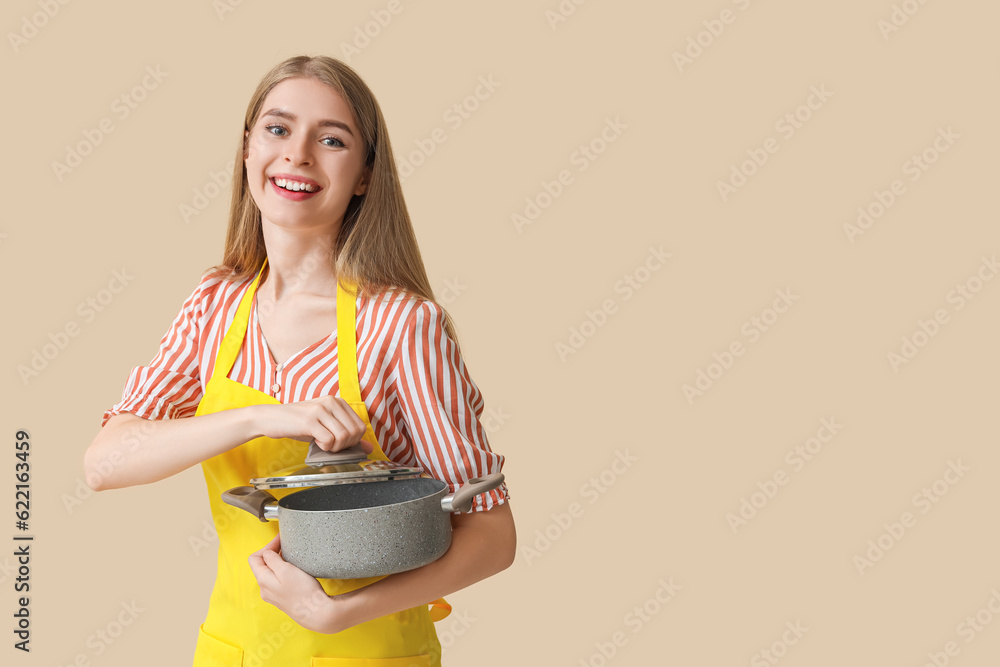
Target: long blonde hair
[376,247]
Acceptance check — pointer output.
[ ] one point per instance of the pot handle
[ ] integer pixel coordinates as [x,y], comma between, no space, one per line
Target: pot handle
[461,500]
[255,501]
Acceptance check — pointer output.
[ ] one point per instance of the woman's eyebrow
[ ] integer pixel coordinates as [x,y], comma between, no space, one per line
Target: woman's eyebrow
[281,113]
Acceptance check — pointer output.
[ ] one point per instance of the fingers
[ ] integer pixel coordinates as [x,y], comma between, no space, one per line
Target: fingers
[330,421]
[352,428]
[273,546]
[274,562]
[344,426]
[262,570]
[266,562]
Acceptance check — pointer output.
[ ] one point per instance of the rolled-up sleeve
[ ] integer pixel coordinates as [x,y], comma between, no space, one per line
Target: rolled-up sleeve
[170,386]
[441,406]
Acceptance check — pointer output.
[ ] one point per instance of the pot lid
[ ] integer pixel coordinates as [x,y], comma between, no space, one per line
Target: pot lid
[348,466]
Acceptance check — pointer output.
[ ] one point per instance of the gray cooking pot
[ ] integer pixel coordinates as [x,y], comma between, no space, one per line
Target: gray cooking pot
[366,529]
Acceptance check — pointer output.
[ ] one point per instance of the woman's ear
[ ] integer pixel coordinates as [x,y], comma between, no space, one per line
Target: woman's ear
[246,141]
[364,182]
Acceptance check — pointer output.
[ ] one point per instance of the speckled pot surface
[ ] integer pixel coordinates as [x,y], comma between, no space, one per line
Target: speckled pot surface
[365,530]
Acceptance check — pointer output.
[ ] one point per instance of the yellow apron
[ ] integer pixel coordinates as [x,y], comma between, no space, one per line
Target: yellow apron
[240,629]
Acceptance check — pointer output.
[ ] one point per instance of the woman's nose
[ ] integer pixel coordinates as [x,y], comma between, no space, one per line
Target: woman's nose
[298,150]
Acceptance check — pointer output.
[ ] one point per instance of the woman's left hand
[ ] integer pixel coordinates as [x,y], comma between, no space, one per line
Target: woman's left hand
[293,591]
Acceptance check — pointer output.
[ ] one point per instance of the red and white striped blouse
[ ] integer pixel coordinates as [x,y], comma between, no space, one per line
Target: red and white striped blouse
[423,405]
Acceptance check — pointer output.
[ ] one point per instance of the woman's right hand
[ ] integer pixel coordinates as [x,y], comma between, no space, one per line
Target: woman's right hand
[329,421]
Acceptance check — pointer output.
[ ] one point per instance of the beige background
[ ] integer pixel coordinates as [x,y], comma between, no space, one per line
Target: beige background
[563,421]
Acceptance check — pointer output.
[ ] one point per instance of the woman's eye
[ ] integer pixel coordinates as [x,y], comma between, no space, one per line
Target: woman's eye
[282,131]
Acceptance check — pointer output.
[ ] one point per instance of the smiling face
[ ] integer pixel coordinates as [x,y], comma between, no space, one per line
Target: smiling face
[305,157]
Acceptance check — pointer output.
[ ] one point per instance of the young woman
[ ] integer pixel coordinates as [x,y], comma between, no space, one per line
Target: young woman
[263,357]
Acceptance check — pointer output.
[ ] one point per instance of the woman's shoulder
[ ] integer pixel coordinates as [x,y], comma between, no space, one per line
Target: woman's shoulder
[215,292]
[401,304]
[216,281]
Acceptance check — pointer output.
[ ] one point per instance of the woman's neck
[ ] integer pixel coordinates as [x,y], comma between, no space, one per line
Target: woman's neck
[298,262]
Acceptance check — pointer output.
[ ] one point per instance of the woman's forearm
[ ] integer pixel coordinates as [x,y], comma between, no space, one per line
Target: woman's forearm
[130,450]
[483,544]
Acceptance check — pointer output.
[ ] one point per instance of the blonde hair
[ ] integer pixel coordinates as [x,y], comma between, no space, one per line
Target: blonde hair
[376,247]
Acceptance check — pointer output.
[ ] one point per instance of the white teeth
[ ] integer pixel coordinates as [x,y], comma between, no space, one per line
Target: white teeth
[294,186]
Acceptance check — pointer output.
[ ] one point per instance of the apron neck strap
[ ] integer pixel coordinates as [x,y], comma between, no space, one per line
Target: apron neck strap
[231,344]
[347,343]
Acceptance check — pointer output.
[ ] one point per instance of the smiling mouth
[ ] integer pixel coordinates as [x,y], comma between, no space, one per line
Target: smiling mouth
[294,186]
